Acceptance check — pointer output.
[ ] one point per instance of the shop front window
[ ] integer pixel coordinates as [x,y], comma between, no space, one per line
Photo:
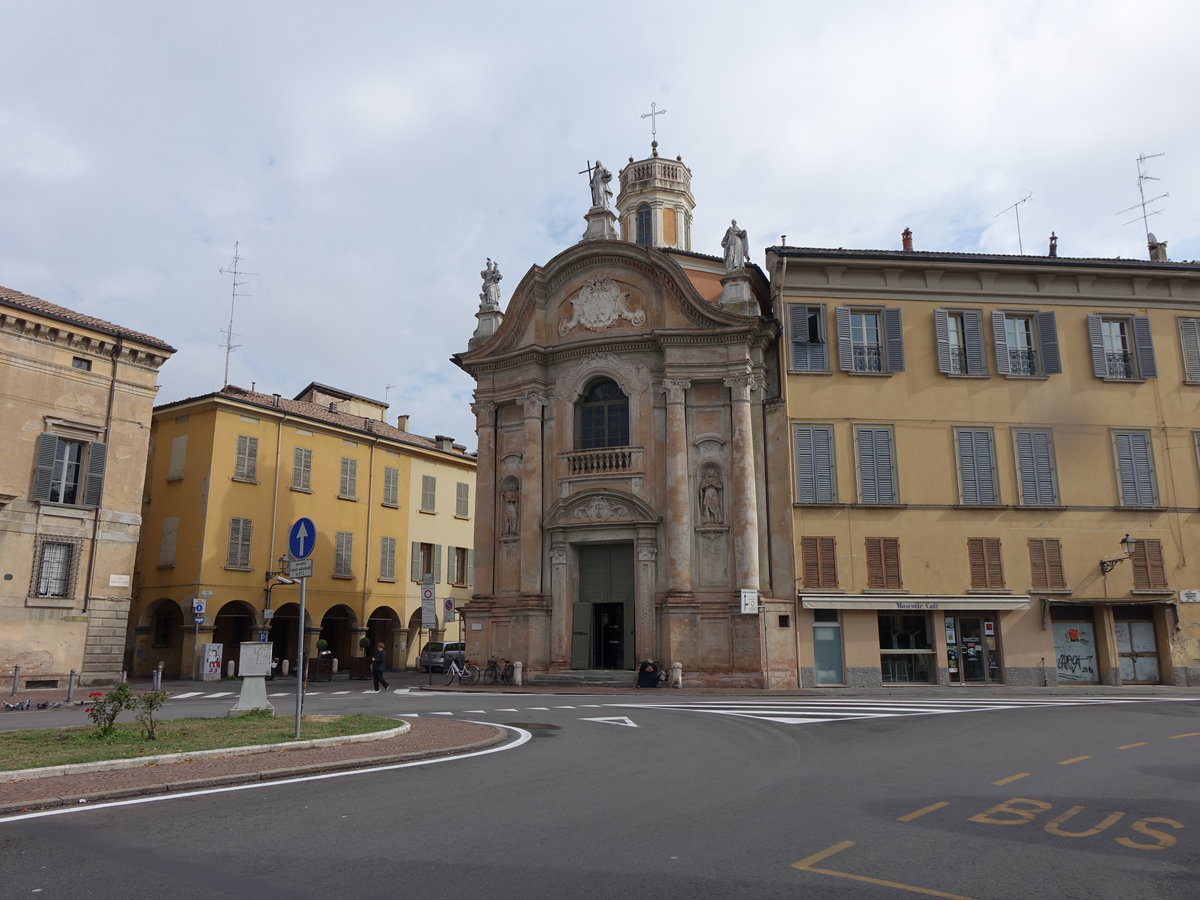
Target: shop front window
[905,648]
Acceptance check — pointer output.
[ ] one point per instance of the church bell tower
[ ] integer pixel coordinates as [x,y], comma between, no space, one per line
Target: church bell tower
[655,205]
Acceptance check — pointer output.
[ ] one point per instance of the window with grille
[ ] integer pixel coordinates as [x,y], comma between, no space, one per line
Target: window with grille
[69,472]
[348,484]
[387,559]
[959,336]
[57,562]
[462,500]
[391,486]
[603,417]
[1045,564]
[428,493]
[238,556]
[245,467]
[883,563]
[343,555]
[819,559]
[302,469]
[870,340]
[1121,346]
[1149,574]
[987,570]
[1026,343]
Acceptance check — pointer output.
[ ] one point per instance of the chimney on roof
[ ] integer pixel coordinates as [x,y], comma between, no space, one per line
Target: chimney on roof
[368,423]
[444,443]
[906,240]
[402,423]
[1053,245]
[1158,249]
[332,406]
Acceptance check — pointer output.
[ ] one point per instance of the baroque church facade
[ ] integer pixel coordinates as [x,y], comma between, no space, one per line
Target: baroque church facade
[627,406]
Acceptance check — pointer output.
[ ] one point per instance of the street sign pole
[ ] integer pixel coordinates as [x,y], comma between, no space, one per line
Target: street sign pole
[300,658]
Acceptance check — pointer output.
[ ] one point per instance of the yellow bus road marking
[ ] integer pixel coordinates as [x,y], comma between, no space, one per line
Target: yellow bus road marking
[1176,737]
[921,812]
[1067,762]
[1012,778]
[1131,746]
[807,865]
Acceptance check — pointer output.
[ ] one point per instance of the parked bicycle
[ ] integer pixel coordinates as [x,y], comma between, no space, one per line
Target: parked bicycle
[499,670]
[467,673]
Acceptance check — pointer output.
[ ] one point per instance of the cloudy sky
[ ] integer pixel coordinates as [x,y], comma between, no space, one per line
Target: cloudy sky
[367,156]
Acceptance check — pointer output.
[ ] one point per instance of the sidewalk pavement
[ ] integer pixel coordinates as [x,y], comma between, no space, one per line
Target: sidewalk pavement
[422,738]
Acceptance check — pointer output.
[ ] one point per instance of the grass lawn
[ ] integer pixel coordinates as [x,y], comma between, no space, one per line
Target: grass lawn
[62,746]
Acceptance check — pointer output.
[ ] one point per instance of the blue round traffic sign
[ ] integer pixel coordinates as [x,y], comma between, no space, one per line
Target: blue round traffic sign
[301,538]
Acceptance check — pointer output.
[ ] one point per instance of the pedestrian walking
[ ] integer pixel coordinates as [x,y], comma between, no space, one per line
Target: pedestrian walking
[378,661]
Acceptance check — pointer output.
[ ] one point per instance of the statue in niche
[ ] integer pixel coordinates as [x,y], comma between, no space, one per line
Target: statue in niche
[510,499]
[489,297]
[712,502]
[736,246]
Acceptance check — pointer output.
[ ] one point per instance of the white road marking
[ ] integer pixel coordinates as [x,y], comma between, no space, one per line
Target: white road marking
[613,720]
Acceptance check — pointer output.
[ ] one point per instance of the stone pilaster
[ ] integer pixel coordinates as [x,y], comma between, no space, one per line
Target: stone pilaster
[645,639]
[532,454]
[677,515]
[745,518]
[485,498]
[560,612]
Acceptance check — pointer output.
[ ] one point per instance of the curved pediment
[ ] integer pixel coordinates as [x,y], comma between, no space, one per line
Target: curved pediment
[600,507]
[601,291]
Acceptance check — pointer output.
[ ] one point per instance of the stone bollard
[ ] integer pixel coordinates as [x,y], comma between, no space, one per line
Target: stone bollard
[230,669]
[517,668]
[284,666]
[334,664]
[677,675]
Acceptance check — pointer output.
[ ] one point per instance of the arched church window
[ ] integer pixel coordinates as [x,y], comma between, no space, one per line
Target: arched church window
[645,226]
[603,417]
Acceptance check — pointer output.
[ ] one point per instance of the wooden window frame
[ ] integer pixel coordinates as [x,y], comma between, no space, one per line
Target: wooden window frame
[883,563]
[818,557]
[986,563]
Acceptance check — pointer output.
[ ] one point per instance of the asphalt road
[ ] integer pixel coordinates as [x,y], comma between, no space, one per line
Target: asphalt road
[663,797]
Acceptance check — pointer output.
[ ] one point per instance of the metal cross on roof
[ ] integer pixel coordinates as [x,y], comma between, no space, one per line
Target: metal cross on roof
[650,115]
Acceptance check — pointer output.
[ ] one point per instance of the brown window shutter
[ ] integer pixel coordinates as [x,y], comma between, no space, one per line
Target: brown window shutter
[1148,571]
[819,555]
[883,563]
[986,568]
[1039,576]
[1054,566]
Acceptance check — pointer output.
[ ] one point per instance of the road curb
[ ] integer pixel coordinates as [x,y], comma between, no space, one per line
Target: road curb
[183,786]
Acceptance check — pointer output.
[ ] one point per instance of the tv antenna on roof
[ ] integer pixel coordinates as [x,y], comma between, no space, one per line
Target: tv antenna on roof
[1016,208]
[233,270]
[1142,179]
[387,390]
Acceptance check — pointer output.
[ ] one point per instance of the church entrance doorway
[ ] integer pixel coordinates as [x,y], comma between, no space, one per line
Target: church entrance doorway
[602,630]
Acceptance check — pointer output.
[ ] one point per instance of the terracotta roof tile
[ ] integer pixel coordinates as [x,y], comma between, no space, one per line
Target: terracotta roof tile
[17,300]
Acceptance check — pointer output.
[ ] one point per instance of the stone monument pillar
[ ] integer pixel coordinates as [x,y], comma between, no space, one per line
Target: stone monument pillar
[745,519]
[486,526]
[531,495]
[678,519]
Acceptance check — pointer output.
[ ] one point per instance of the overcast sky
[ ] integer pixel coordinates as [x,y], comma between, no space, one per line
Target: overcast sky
[368,156]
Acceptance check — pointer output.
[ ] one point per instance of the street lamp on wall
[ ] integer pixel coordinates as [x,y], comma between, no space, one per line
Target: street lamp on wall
[1129,545]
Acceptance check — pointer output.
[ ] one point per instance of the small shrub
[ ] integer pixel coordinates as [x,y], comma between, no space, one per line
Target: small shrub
[147,704]
[106,707]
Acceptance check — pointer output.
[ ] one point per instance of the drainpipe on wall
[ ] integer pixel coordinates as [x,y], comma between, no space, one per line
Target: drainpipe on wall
[108,413]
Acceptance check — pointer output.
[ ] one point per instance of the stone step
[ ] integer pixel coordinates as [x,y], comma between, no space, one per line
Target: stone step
[585,678]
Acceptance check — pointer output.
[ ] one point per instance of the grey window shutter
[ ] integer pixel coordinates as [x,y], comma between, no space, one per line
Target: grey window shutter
[1003,366]
[451,565]
[43,472]
[93,491]
[470,568]
[1096,340]
[814,465]
[875,465]
[1048,343]
[415,572]
[798,335]
[1134,472]
[1144,344]
[972,320]
[1189,336]
[845,350]
[976,467]
[437,563]
[941,330]
[893,329]
[1036,466]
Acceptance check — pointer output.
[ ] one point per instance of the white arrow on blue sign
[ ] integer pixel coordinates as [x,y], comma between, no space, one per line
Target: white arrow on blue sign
[301,538]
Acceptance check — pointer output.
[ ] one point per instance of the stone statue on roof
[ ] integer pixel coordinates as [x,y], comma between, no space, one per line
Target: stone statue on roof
[599,179]
[736,246]
[489,297]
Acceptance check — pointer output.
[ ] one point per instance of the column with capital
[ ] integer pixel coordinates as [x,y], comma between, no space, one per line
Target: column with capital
[744,530]
[560,609]
[531,494]
[678,512]
[485,498]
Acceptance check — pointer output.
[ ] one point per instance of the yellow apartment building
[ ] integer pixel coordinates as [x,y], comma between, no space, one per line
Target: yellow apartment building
[228,474]
[77,394]
[993,466]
